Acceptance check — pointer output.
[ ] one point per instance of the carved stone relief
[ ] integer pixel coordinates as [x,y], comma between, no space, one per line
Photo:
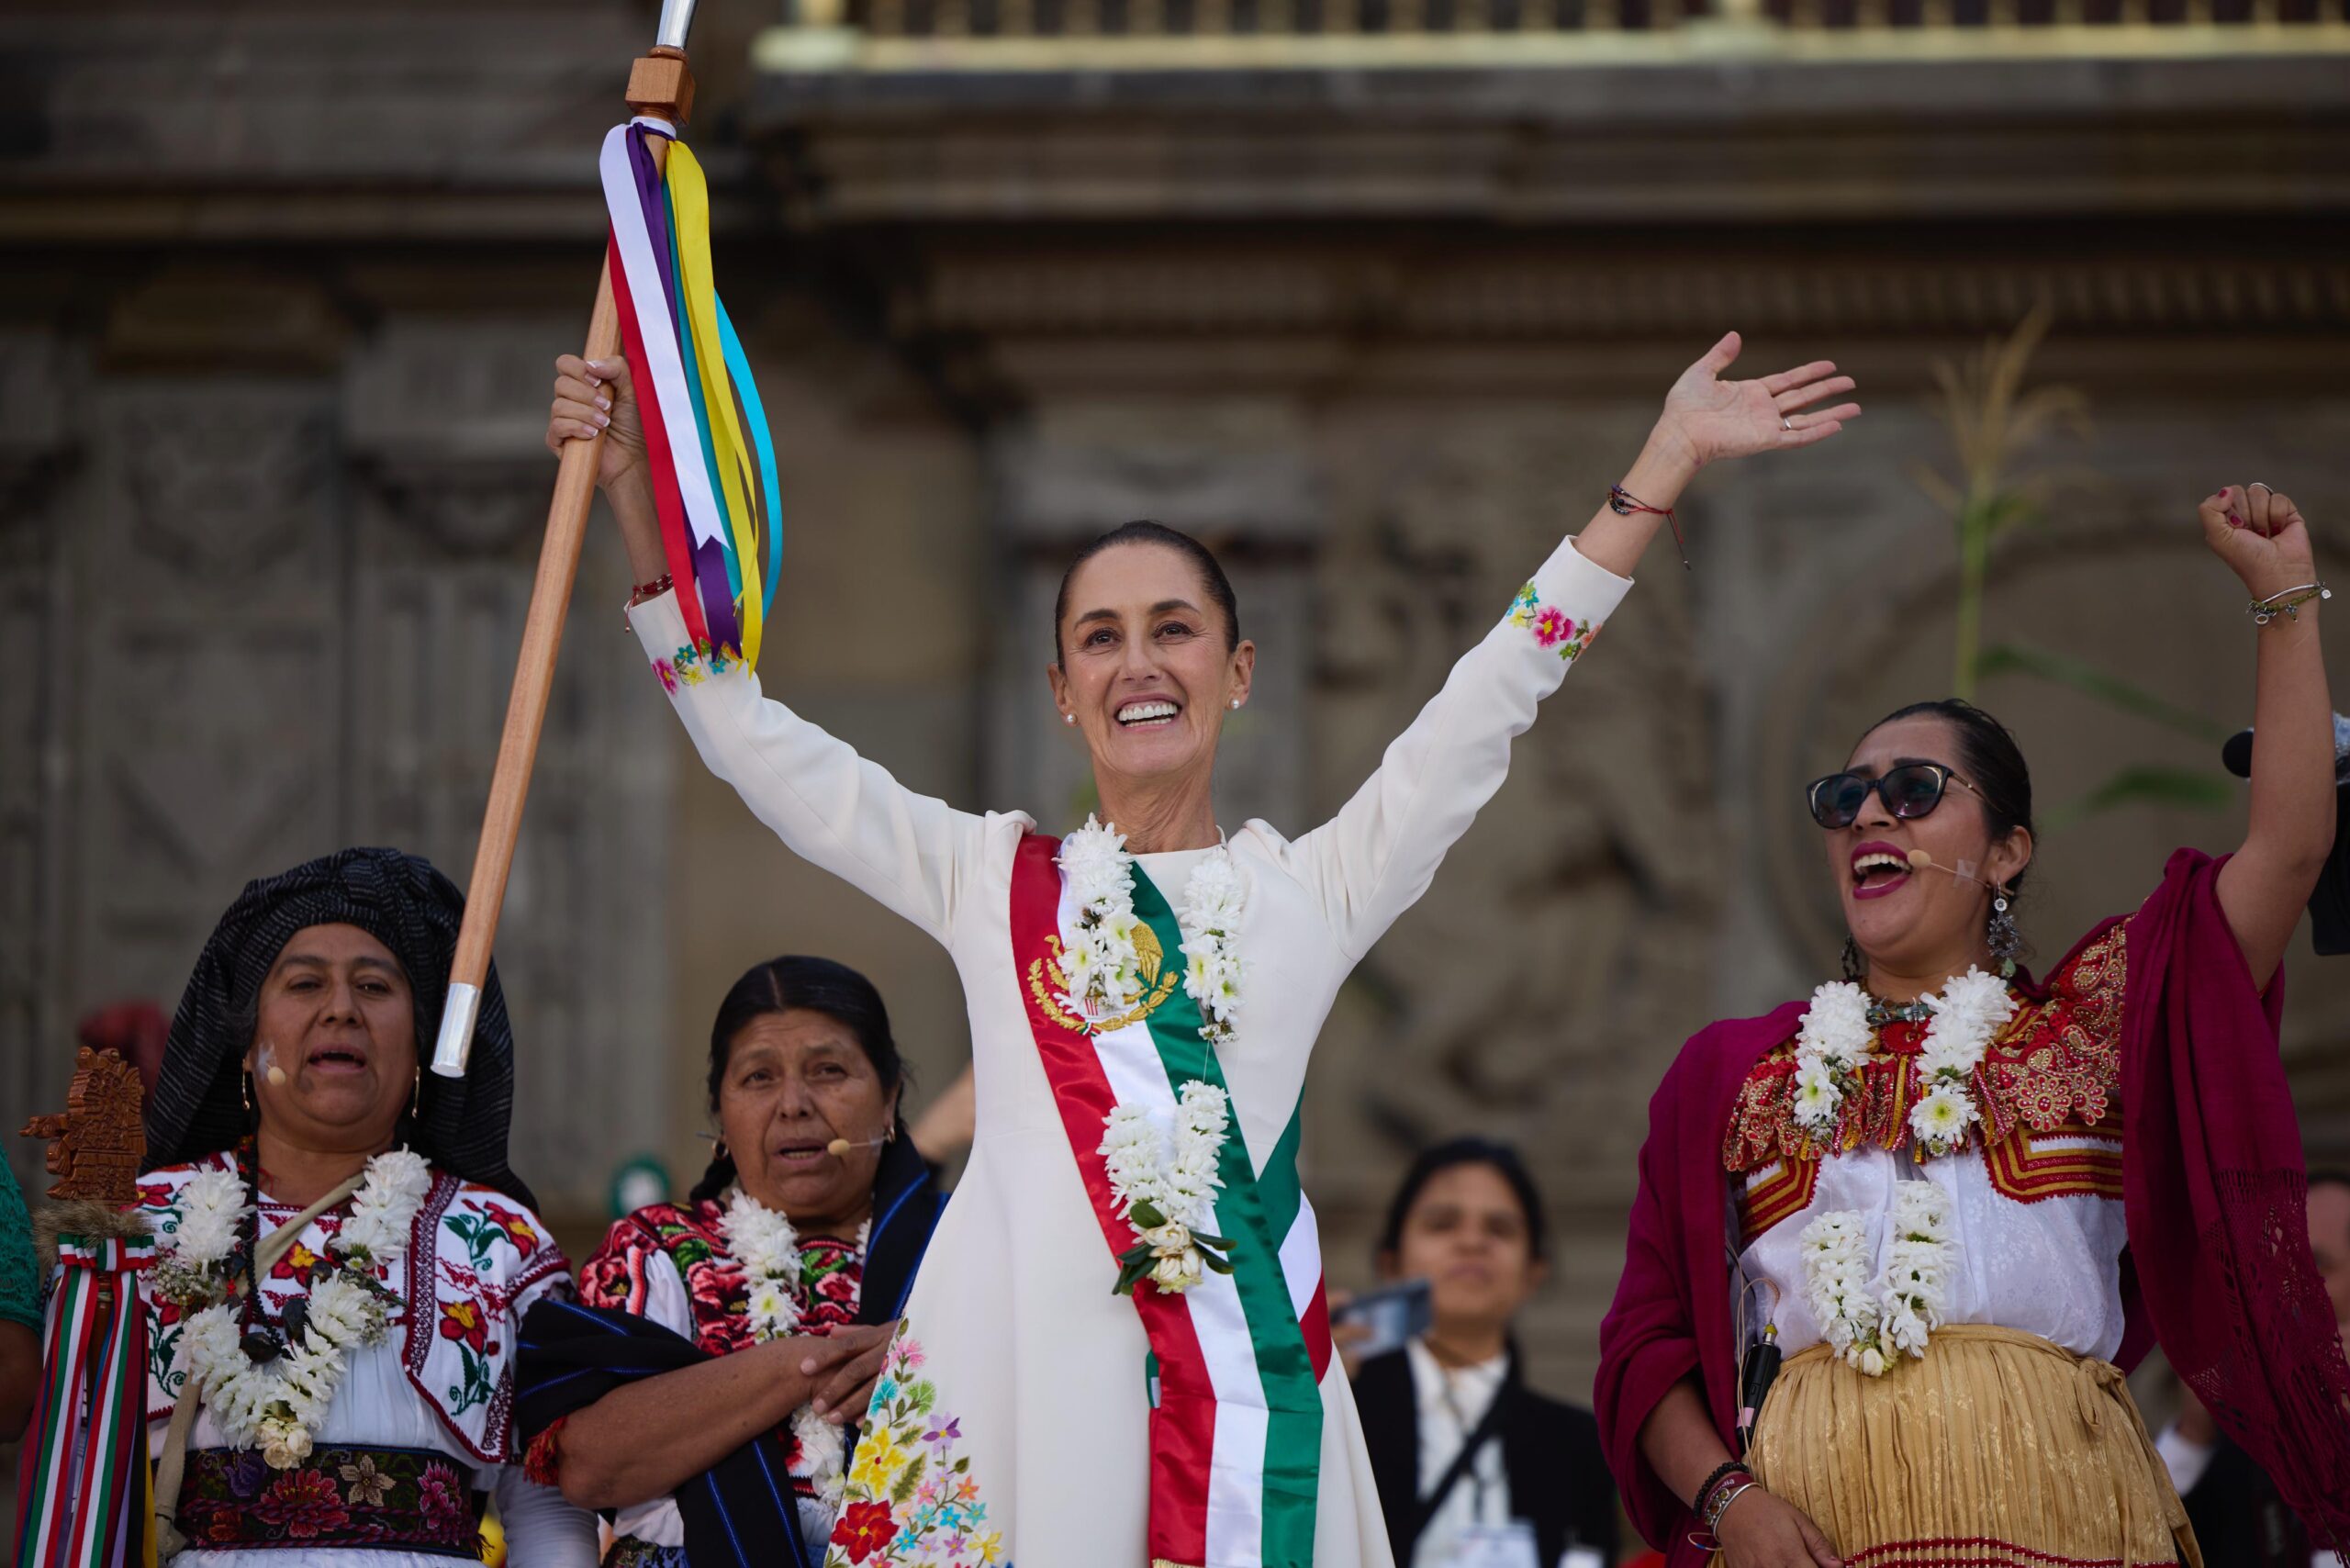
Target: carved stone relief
[1536,989]
[37,379]
[443,423]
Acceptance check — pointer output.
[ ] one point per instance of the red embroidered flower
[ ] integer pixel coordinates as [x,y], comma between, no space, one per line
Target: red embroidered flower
[304,1504]
[1551,627]
[441,1501]
[299,1263]
[517,1229]
[668,674]
[840,1285]
[865,1529]
[465,1320]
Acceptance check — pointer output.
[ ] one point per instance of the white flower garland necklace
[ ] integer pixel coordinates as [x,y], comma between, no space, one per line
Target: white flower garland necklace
[1836,1038]
[1867,1321]
[278,1404]
[1164,1179]
[764,1242]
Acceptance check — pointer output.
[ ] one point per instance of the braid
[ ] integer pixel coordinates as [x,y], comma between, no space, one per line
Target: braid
[716,1180]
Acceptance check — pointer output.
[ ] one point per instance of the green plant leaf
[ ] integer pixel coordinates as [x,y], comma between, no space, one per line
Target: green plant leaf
[2005,658]
[2146,784]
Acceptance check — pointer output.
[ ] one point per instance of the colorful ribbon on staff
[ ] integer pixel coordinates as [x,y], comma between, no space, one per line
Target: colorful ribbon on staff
[82,1481]
[705,431]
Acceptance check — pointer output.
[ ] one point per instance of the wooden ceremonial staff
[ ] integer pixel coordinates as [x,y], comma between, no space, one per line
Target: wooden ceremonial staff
[660,85]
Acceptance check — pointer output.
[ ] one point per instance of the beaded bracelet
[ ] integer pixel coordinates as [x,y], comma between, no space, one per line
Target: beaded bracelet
[2287,602]
[644,591]
[1723,1472]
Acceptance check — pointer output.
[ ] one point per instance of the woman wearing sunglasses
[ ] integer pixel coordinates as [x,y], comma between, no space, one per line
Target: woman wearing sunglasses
[1946,1201]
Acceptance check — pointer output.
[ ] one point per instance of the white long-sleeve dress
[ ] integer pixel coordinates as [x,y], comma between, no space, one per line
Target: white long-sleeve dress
[1034,1444]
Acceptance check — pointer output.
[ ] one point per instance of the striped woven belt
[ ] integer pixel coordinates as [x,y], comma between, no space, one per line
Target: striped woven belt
[374,1498]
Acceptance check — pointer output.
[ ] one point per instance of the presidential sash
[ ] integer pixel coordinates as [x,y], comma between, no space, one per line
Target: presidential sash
[1236,1360]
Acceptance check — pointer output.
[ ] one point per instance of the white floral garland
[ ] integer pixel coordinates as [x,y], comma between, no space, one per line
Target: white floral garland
[1164,1179]
[1100,962]
[1836,1039]
[1166,1187]
[765,1243]
[1867,1322]
[279,1404]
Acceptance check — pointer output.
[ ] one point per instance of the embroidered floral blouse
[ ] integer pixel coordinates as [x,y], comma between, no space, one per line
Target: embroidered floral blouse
[668,1263]
[2035,1193]
[438,1389]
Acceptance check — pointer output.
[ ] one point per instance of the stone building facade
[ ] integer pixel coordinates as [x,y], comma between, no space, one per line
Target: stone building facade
[1379,300]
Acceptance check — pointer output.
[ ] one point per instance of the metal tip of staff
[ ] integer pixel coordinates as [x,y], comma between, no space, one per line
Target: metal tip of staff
[677,21]
[456,1045]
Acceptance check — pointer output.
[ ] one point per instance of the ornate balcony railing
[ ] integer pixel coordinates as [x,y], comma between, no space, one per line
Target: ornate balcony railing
[1402,20]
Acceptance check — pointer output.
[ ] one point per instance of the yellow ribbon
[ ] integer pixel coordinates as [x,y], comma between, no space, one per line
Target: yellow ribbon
[690,203]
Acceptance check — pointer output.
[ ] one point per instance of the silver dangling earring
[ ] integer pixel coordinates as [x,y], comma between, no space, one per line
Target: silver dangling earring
[1856,969]
[2001,935]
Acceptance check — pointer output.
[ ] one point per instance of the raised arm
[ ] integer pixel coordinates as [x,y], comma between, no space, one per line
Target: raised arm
[2262,537]
[831,806]
[1373,860]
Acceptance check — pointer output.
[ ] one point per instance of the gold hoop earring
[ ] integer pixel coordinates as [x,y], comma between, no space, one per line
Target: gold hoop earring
[245,1090]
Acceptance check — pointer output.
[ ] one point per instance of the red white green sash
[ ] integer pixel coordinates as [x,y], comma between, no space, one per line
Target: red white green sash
[1235,1426]
[82,1482]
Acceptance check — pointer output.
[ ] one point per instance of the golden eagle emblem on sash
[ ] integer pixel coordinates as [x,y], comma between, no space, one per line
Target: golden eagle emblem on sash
[1050,988]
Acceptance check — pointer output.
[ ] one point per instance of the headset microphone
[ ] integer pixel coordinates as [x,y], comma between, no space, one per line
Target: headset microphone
[838,1149]
[1920,861]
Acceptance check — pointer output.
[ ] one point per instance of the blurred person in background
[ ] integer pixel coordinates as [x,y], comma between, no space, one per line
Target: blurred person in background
[1925,1176]
[20,1311]
[2239,1519]
[1474,1465]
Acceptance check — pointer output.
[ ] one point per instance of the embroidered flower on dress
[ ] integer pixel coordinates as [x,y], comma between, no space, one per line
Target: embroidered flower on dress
[1553,629]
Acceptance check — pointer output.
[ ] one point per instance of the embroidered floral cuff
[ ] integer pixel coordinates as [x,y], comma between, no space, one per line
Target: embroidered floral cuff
[691,665]
[1552,627]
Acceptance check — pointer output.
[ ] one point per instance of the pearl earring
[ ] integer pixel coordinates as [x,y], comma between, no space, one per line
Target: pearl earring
[1068,718]
[1235,704]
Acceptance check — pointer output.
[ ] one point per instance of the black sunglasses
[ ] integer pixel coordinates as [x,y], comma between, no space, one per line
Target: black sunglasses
[1908,791]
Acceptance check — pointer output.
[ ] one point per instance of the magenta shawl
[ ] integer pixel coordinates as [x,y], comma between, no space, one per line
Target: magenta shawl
[2214,1201]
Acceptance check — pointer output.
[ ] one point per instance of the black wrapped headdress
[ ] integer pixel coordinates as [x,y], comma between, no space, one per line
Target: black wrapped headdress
[198,1107]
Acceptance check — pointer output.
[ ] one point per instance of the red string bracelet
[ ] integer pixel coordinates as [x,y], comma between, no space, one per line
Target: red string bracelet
[1624,504]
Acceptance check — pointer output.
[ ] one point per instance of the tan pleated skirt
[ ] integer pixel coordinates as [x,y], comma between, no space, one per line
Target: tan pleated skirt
[1995,1449]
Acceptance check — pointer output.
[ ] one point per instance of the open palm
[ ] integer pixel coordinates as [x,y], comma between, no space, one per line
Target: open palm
[1718,419]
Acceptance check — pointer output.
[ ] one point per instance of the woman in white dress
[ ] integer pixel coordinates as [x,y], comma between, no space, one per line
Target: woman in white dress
[1143,997]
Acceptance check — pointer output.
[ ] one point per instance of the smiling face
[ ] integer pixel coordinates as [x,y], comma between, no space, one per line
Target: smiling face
[1144,666]
[1922,922]
[1466,1234]
[336,1016]
[796,1080]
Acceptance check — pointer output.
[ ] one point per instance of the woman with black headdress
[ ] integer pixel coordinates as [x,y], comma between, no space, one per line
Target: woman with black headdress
[342,1254]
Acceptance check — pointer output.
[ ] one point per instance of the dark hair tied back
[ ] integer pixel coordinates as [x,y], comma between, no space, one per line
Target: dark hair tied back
[818,985]
[1203,561]
[1435,1161]
[1992,762]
